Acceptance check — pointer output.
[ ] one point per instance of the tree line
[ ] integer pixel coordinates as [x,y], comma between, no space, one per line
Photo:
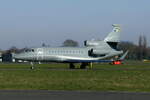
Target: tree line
[138,51]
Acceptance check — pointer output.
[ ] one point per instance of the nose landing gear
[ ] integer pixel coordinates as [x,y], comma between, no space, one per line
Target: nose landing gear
[32,65]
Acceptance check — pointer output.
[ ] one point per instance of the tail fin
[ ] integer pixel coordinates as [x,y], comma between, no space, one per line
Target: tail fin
[114,36]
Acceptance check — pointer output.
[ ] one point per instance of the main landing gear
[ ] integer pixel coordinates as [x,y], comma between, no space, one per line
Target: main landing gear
[82,66]
[71,66]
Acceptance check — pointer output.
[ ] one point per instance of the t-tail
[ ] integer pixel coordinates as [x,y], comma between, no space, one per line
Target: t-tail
[113,37]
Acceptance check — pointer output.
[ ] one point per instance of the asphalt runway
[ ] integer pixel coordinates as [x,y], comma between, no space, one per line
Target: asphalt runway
[70,95]
[64,69]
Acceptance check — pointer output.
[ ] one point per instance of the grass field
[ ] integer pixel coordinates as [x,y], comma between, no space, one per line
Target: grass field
[132,76]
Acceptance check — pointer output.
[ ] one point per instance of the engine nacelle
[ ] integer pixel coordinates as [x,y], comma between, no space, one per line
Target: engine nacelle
[97,53]
[91,43]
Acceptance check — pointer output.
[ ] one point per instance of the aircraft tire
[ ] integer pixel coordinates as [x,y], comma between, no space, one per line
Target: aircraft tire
[71,66]
[83,66]
[32,67]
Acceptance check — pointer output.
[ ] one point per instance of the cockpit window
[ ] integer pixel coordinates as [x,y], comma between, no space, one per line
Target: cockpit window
[29,50]
[26,50]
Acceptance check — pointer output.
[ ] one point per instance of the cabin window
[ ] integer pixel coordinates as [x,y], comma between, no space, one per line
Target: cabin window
[66,51]
[76,52]
[69,51]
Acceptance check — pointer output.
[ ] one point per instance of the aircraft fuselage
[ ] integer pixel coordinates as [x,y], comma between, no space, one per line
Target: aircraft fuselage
[67,54]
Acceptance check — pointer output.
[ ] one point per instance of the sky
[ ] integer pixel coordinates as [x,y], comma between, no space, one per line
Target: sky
[29,23]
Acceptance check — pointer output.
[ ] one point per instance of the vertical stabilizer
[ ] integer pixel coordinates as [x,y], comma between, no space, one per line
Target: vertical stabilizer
[114,36]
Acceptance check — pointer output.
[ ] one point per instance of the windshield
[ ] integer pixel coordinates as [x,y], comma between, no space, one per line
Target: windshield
[29,50]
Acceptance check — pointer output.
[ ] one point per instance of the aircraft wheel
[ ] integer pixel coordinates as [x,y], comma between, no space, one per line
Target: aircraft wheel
[71,66]
[32,67]
[83,66]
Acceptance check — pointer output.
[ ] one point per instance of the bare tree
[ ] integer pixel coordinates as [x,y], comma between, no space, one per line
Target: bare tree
[43,45]
[140,48]
[13,49]
[144,47]
[131,47]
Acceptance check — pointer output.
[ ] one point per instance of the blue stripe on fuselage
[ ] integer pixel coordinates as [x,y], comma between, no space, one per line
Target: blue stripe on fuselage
[88,61]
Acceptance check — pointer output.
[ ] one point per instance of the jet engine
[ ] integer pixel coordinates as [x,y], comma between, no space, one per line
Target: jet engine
[91,43]
[97,53]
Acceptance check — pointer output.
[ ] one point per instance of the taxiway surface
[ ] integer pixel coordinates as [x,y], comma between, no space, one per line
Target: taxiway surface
[70,95]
